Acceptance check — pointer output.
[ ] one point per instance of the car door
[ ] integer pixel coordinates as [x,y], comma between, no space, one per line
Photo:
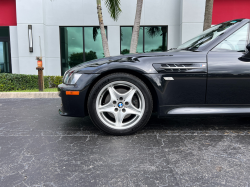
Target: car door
[228,77]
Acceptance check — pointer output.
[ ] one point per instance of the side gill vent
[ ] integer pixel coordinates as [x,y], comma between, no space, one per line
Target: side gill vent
[178,67]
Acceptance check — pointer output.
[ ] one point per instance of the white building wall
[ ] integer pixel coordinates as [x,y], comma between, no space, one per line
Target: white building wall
[113,37]
[29,13]
[14,49]
[192,18]
[52,50]
[46,16]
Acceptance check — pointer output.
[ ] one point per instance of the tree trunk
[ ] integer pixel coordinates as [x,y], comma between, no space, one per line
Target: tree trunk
[208,14]
[136,28]
[103,33]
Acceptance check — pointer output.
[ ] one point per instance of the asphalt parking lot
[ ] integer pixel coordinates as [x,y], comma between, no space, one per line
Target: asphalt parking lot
[40,148]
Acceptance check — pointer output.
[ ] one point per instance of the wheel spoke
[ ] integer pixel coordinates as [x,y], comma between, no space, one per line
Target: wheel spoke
[106,108]
[119,116]
[129,95]
[114,95]
[131,109]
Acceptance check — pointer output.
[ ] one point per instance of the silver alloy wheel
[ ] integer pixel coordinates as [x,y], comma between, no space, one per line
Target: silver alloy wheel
[120,111]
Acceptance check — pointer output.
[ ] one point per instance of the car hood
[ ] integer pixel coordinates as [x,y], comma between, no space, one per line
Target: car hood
[140,62]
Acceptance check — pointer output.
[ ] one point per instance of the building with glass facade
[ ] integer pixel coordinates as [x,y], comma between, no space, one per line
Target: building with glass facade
[68,31]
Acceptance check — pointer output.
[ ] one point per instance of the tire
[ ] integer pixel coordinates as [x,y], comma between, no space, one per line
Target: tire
[120,104]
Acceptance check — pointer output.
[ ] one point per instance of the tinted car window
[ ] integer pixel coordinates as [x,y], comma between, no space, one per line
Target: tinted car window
[236,42]
[207,36]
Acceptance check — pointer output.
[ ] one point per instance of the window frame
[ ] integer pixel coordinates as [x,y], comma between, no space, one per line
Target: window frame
[7,39]
[105,27]
[143,44]
[248,38]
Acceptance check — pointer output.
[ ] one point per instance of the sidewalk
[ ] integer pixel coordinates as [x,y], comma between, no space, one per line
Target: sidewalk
[29,95]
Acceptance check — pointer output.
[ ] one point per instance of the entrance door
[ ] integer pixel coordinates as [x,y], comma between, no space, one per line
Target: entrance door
[4,57]
[5,62]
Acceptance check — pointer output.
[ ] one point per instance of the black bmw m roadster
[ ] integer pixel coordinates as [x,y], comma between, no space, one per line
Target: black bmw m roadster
[209,74]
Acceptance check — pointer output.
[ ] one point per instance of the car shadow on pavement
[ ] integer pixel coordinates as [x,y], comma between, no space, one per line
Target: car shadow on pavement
[194,123]
[178,124]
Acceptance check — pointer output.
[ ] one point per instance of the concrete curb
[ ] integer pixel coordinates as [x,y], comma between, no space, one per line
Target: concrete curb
[29,95]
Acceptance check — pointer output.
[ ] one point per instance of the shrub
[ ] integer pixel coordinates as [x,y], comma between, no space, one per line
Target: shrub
[54,81]
[10,82]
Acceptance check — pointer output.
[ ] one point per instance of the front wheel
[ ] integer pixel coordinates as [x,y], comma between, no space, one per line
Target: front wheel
[120,104]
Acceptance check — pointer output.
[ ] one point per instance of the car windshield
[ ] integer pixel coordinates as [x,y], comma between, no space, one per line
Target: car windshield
[207,36]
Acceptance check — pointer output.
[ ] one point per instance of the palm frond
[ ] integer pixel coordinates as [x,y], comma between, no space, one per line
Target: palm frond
[113,7]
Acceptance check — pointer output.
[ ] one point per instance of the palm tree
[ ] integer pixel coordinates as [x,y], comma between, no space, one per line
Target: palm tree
[208,14]
[136,28]
[114,10]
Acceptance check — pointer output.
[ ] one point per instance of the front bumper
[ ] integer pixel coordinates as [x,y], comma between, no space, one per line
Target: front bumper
[72,105]
[75,105]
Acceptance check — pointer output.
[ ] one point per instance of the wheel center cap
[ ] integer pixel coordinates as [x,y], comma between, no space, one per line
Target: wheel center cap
[120,105]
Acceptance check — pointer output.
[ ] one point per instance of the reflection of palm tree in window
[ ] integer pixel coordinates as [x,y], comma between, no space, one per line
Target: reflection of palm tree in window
[124,51]
[121,35]
[95,32]
[77,58]
[155,31]
[164,35]
[126,32]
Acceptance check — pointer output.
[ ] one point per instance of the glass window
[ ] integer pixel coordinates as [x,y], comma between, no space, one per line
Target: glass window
[5,62]
[155,39]
[236,42]
[93,43]
[4,31]
[126,35]
[71,47]
[150,39]
[207,36]
[4,57]
[78,45]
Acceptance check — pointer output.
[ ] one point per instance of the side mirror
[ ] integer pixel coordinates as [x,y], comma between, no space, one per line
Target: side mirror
[246,56]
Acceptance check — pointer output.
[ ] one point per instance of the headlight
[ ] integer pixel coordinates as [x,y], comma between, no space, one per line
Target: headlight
[71,77]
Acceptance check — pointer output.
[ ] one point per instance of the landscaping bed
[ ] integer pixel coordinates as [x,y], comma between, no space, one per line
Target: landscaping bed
[27,83]
[37,90]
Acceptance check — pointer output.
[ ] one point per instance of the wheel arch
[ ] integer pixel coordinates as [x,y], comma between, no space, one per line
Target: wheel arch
[132,72]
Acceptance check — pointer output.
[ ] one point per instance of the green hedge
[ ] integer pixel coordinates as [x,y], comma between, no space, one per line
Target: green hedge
[10,82]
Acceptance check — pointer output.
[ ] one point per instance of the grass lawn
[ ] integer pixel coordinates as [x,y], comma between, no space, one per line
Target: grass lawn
[37,90]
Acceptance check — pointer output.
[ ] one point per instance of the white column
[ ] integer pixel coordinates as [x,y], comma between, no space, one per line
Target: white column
[14,49]
[52,50]
[114,40]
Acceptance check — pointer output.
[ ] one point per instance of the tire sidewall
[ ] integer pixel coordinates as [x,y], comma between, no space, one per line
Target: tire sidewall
[119,77]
